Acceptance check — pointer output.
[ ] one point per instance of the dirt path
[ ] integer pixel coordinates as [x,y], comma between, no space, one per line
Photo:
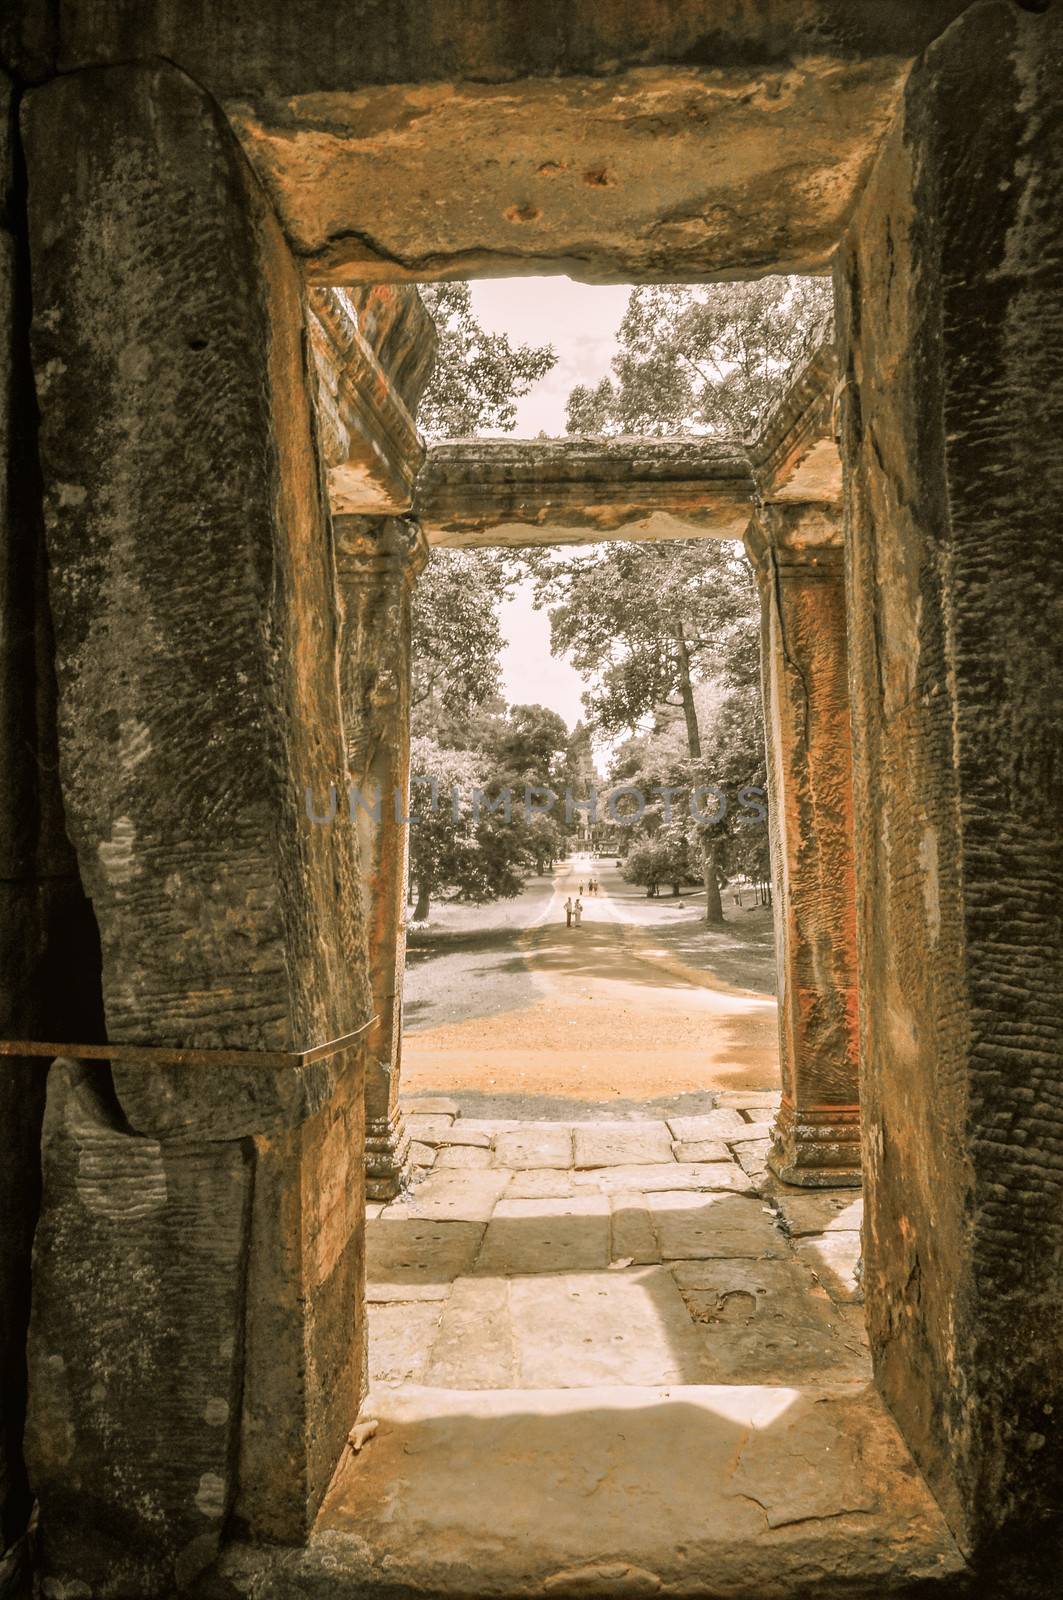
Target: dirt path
[614,1009]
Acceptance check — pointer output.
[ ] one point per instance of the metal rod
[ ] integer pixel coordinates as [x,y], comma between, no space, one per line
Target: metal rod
[174,1055]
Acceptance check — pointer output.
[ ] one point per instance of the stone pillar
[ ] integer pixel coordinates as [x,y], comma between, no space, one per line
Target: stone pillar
[377,562]
[797,552]
[192,586]
[950,286]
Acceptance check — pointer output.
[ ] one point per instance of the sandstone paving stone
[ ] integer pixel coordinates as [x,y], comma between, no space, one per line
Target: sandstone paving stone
[710,1125]
[633,1236]
[428,1130]
[473,1347]
[540,1183]
[537,1236]
[751,1131]
[422,1155]
[459,1134]
[454,1196]
[400,1336]
[462,1156]
[581,1329]
[431,1105]
[753,1157]
[624,1489]
[615,1144]
[415,1259]
[822,1212]
[702,1226]
[765,1322]
[534,1145]
[708,1175]
[835,1259]
[748,1099]
[700,1150]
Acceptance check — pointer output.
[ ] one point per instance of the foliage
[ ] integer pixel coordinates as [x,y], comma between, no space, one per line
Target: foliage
[478,857]
[456,633]
[704,359]
[479,376]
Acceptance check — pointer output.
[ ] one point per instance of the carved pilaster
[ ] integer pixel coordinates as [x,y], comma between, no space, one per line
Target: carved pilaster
[377,561]
[797,553]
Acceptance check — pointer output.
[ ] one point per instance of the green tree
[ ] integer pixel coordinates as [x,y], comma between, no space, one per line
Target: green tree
[643,622]
[704,359]
[479,376]
[476,853]
[457,637]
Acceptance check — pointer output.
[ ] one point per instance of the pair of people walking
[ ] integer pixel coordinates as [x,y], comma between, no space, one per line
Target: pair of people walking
[574,911]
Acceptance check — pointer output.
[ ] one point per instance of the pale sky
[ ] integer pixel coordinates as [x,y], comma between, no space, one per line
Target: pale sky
[580,320]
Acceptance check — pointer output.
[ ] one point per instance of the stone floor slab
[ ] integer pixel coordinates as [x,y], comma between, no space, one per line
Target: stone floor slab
[422,1155]
[453,1196]
[704,1226]
[668,1175]
[748,1099]
[617,1490]
[426,1130]
[464,1157]
[459,1133]
[700,1150]
[764,1322]
[619,1144]
[633,1236]
[431,1105]
[711,1125]
[540,1183]
[473,1347]
[400,1336]
[750,1131]
[823,1212]
[414,1259]
[538,1236]
[835,1259]
[576,1330]
[534,1146]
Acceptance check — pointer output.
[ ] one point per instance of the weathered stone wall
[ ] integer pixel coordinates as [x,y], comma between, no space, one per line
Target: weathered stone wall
[950,295]
[49,956]
[193,591]
[615,139]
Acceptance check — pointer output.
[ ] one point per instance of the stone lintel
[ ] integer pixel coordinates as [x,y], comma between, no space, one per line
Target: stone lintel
[796,457]
[580,490]
[369,440]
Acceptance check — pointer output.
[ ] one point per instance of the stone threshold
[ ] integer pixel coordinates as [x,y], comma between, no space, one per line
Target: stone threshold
[750,1492]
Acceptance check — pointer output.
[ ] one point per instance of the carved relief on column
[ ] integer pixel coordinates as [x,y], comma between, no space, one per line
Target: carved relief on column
[797,552]
[377,561]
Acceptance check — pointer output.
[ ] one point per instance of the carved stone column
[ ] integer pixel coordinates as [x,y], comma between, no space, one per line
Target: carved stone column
[797,552]
[378,559]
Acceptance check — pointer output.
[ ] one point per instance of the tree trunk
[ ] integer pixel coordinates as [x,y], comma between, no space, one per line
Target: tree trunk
[710,873]
[686,692]
[420,910]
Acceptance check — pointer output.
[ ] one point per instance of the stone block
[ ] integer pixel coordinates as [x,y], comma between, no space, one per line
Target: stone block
[538,1145]
[671,1175]
[537,1236]
[428,1129]
[762,1322]
[713,1125]
[819,1213]
[453,1197]
[136,1343]
[400,1337]
[619,1144]
[633,1238]
[540,1183]
[463,1156]
[431,1105]
[474,1347]
[703,1226]
[835,1259]
[418,1259]
[748,1100]
[192,590]
[578,1329]
[700,1150]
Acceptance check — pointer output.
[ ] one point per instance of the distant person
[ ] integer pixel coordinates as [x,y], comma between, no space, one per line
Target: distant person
[577,911]
[568,912]
[581,888]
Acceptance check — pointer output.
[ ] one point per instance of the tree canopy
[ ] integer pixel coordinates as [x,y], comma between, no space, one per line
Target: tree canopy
[704,359]
[479,376]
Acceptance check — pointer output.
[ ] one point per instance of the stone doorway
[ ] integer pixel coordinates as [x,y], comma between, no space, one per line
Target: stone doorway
[192,586]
